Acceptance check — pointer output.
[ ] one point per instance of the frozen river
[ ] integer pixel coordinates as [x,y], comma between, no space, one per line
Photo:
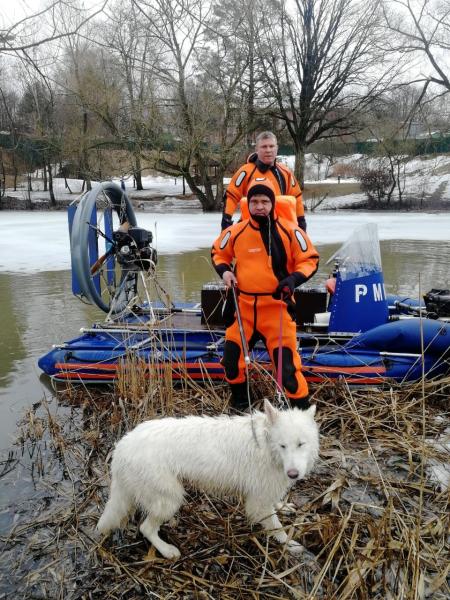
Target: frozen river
[38,241]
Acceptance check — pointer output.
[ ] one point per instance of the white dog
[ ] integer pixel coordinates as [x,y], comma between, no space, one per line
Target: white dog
[257,457]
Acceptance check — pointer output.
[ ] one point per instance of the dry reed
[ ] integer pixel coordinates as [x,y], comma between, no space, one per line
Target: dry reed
[373,520]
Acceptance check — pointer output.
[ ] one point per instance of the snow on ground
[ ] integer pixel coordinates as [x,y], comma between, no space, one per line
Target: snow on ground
[159,185]
[34,241]
[166,193]
[318,172]
[426,177]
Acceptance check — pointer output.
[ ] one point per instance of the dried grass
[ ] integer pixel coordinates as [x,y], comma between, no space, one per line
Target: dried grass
[374,524]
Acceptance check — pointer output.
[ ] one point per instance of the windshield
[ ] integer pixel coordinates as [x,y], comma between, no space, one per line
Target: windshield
[360,254]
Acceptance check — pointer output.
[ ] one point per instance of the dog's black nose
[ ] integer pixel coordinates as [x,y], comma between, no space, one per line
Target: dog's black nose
[292,473]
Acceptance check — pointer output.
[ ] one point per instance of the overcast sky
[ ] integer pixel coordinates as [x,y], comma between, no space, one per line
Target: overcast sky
[15,10]
[12,11]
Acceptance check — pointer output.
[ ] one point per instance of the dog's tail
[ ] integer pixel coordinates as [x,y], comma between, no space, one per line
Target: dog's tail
[116,510]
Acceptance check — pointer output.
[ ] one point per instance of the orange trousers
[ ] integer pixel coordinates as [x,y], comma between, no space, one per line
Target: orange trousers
[260,317]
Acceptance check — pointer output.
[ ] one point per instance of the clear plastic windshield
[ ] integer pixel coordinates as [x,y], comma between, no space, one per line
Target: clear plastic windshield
[360,254]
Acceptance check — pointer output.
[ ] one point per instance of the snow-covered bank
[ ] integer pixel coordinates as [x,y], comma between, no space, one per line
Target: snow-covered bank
[158,185]
[426,178]
[39,241]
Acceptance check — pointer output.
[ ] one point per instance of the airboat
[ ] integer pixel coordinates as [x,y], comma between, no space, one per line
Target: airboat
[348,329]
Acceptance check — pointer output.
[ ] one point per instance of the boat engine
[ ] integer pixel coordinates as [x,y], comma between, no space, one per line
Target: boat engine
[112,258]
[438,303]
[134,250]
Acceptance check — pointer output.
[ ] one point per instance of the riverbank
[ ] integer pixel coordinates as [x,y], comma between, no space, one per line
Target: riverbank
[164,195]
[425,182]
[156,203]
[157,190]
[373,516]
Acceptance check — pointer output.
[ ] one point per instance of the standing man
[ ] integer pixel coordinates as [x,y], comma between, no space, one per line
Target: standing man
[263,164]
[265,258]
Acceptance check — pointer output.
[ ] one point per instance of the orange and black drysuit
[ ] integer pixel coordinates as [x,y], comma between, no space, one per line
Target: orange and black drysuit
[282,179]
[269,255]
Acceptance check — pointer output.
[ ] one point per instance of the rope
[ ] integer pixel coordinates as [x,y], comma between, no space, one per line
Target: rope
[246,361]
[280,355]
[281,398]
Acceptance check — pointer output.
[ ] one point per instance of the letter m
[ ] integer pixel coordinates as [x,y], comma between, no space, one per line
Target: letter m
[378,292]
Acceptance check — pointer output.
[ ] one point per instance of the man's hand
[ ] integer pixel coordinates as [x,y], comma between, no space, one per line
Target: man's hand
[229,279]
[285,288]
[226,221]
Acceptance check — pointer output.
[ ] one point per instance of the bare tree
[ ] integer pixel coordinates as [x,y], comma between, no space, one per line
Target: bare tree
[34,41]
[203,76]
[9,123]
[136,121]
[44,26]
[421,29]
[37,108]
[390,123]
[322,66]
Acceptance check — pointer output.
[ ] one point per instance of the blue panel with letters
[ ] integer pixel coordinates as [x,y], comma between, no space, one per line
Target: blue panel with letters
[359,303]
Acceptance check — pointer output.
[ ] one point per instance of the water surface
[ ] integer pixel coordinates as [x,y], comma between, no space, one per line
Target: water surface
[38,309]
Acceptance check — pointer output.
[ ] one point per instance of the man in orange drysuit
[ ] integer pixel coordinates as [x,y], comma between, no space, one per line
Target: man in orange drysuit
[271,256]
[262,164]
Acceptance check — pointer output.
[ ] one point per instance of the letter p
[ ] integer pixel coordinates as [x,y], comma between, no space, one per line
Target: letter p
[360,290]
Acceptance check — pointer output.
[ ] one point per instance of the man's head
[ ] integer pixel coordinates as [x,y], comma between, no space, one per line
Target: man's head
[261,199]
[266,147]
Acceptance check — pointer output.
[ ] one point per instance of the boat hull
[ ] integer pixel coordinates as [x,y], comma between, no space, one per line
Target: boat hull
[389,352]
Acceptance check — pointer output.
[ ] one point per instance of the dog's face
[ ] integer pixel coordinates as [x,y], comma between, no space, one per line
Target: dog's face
[294,439]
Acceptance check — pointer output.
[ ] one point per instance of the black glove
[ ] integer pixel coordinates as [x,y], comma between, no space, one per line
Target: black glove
[226,221]
[301,222]
[285,288]
[229,310]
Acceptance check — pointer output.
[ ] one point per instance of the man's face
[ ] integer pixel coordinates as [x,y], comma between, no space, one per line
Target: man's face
[260,205]
[267,150]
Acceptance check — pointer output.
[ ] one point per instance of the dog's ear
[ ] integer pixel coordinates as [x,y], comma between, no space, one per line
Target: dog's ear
[270,412]
[312,410]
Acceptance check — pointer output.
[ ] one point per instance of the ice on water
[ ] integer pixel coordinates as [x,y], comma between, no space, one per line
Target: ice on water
[38,241]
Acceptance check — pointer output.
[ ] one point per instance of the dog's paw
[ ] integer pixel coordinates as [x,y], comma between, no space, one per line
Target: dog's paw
[168,551]
[294,548]
[286,508]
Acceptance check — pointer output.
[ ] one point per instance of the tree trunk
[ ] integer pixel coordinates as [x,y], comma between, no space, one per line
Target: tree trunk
[251,73]
[208,199]
[85,155]
[29,204]
[15,171]
[400,182]
[299,170]
[3,182]
[219,187]
[206,196]
[393,184]
[67,184]
[44,176]
[137,172]
[50,186]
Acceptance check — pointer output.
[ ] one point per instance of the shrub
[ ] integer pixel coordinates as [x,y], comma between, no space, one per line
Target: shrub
[375,183]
